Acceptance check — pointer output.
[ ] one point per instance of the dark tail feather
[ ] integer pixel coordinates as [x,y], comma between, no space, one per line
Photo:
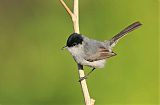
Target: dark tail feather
[124,32]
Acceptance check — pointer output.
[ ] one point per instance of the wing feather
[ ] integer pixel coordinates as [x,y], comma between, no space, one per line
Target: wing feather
[99,54]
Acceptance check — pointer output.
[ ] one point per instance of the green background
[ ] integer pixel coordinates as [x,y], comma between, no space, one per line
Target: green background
[34,71]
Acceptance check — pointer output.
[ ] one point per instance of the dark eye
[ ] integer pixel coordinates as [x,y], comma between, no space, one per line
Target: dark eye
[74,44]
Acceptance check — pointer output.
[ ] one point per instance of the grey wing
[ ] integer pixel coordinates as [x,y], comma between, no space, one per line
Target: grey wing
[95,50]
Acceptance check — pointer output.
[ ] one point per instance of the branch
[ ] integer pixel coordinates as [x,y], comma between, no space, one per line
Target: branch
[66,8]
[87,98]
[75,20]
[76,17]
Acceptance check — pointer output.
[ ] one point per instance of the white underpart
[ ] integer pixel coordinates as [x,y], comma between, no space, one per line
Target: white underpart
[78,53]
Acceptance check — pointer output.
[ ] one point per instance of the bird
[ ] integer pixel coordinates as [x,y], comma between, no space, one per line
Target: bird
[93,53]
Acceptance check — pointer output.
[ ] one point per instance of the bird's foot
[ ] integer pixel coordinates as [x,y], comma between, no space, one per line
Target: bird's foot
[82,78]
[85,77]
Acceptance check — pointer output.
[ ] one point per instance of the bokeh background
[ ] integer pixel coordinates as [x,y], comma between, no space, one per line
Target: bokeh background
[34,70]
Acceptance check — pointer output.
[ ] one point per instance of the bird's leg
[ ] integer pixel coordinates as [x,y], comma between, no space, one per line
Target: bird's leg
[86,76]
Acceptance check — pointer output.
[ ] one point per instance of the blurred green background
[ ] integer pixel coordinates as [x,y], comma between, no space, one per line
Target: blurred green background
[34,71]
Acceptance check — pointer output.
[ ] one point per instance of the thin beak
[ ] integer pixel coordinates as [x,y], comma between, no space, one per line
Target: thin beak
[63,47]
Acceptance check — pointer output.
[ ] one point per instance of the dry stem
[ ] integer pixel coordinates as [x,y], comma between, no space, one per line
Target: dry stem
[75,19]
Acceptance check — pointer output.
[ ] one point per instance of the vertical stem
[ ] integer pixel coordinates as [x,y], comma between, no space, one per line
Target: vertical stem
[75,19]
[83,83]
[84,87]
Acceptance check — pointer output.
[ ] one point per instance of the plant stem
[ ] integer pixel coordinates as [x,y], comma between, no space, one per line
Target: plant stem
[75,19]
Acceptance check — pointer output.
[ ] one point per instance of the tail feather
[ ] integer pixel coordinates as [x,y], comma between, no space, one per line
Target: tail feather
[128,29]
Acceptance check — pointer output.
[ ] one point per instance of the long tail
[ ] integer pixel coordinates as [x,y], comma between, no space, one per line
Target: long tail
[128,29]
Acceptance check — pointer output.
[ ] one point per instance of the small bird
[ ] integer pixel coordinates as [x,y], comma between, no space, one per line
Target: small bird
[93,53]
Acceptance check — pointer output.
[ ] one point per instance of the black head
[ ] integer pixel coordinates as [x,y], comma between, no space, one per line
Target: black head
[74,39]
